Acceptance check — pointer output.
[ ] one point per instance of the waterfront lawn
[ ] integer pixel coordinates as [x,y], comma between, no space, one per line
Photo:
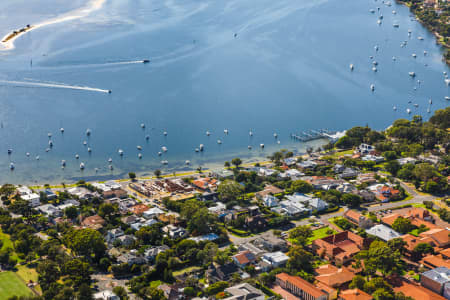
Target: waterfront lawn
[11,285]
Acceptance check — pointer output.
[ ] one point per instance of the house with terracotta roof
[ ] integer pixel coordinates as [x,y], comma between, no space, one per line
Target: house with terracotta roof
[417,216]
[205,184]
[268,190]
[412,241]
[358,219]
[139,209]
[385,193]
[334,277]
[439,235]
[340,247]
[94,222]
[354,294]
[244,258]
[446,253]
[300,287]
[434,261]
[414,290]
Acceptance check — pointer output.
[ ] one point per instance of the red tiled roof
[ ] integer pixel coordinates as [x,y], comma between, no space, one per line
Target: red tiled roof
[301,284]
[352,214]
[435,261]
[390,219]
[413,241]
[244,257]
[337,278]
[139,209]
[326,269]
[93,221]
[439,235]
[446,253]
[355,294]
[417,292]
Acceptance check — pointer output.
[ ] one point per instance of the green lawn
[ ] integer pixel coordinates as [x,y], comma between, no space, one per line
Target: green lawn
[341,153]
[28,273]
[7,243]
[186,270]
[320,233]
[155,284]
[11,285]
[414,232]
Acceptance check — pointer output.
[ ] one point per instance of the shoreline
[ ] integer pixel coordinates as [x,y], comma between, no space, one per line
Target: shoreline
[440,40]
[7,42]
[179,171]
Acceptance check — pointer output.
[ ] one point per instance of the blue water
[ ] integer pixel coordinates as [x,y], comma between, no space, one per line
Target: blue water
[287,70]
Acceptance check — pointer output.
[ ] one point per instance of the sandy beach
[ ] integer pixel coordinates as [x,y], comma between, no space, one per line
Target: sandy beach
[7,42]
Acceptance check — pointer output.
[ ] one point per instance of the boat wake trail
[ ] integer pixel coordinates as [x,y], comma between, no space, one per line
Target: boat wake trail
[97,65]
[52,85]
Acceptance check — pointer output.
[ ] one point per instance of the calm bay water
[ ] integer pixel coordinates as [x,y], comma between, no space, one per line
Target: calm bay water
[286,70]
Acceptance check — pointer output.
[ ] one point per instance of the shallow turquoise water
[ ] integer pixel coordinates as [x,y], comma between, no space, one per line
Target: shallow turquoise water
[286,70]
